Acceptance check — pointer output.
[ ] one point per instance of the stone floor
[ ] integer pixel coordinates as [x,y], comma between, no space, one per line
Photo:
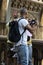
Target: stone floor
[13,63]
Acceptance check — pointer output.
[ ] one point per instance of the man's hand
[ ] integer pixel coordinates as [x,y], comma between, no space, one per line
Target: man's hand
[35,27]
[31,28]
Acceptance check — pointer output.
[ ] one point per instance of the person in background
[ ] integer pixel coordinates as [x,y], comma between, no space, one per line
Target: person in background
[10,52]
[33,23]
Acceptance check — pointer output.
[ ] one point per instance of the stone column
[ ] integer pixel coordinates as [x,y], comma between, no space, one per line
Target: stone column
[8,14]
[3,17]
[41,20]
[3,10]
[41,23]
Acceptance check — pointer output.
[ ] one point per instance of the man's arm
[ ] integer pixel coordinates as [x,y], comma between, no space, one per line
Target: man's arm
[31,29]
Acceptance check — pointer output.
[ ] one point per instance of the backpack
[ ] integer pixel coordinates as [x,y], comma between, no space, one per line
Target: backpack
[14,34]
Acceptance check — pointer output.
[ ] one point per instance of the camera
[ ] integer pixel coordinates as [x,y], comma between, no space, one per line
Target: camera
[33,22]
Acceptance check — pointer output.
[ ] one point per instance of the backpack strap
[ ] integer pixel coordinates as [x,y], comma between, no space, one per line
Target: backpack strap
[24,28]
[20,19]
[23,31]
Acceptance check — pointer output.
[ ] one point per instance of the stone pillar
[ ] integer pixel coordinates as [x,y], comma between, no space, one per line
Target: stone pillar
[8,14]
[3,17]
[3,10]
[41,20]
[41,23]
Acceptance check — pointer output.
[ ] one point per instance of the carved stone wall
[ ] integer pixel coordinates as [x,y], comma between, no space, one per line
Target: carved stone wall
[34,10]
[31,6]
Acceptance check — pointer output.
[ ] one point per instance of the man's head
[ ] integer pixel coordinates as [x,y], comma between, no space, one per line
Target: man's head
[23,12]
[15,13]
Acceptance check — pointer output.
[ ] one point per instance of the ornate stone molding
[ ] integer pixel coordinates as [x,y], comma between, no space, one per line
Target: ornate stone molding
[30,5]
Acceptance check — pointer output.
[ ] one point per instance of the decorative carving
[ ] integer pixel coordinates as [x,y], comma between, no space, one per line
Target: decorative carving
[33,8]
[28,4]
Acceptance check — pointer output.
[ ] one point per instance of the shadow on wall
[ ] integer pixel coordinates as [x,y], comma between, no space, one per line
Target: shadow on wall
[0,3]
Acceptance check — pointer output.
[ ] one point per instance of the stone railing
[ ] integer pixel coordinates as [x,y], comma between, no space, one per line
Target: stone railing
[4,46]
[37,49]
[3,41]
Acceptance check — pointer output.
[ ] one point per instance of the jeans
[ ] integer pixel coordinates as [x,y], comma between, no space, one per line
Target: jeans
[22,51]
[30,54]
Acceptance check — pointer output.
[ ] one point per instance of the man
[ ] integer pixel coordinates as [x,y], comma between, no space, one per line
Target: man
[21,46]
[10,52]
